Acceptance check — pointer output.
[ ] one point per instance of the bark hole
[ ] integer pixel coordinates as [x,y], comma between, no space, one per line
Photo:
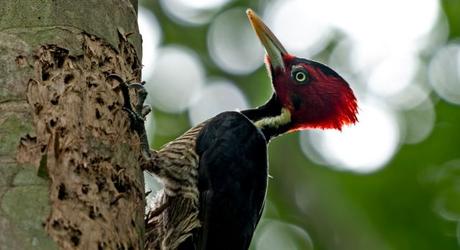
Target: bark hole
[119,184]
[57,224]
[94,213]
[133,223]
[75,236]
[45,76]
[37,108]
[111,107]
[85,188]
[98,114]
[53,122]
[55,100]
[62,194]
[99,100]
[101,246]
[68,79]
[100,182]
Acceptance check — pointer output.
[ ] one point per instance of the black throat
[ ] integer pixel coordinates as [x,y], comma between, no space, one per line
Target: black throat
[272,108]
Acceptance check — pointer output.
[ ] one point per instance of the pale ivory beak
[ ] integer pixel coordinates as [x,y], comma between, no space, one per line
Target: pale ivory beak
[272,45]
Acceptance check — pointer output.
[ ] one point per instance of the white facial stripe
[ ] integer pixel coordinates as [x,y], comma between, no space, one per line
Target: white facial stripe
[276,121]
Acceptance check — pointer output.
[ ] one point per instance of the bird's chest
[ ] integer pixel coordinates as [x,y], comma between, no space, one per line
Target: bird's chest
[178,163]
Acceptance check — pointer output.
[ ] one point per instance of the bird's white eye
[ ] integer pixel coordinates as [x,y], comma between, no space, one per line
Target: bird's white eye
[300,75]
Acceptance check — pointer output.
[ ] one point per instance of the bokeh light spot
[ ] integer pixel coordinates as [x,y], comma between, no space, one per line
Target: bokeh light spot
[364,147]
[410,97]
[370,20]
[204,4]
[276,235]
[217,97]
[233,44]
[357,57]
[177,76]
[444,72]
[151,37]
[394,74]
[299,25]
[419,122]
[448,205]
[446,178]
[192,12]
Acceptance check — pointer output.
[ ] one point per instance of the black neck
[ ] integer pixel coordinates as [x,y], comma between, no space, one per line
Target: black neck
[270,109]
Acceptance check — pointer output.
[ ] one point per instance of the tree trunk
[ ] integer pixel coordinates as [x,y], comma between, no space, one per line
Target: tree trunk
[69,170]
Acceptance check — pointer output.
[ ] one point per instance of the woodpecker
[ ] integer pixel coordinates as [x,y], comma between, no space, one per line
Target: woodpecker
[215,175]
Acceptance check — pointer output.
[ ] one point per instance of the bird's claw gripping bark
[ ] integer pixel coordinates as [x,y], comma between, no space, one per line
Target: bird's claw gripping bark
[141,109]
[138,114]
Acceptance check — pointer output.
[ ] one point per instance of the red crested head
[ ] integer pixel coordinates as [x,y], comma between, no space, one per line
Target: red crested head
[311,94]
[315,95]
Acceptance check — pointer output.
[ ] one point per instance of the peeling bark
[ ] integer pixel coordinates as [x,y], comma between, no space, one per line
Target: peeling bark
[61,118]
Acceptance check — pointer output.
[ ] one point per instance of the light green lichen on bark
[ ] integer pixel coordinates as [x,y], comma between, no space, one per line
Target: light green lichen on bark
[26,208]
[23,198]
[13,127]
[97,17]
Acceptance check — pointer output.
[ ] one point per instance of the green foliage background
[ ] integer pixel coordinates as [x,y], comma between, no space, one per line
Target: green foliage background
[393,208]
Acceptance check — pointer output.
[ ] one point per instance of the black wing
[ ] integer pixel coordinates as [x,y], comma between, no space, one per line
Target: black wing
[232,182]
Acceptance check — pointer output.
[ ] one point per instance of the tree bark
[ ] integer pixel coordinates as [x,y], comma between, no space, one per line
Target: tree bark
[69,170]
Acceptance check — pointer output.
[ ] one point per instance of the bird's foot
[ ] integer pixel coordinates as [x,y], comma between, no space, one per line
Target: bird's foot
[138,114]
